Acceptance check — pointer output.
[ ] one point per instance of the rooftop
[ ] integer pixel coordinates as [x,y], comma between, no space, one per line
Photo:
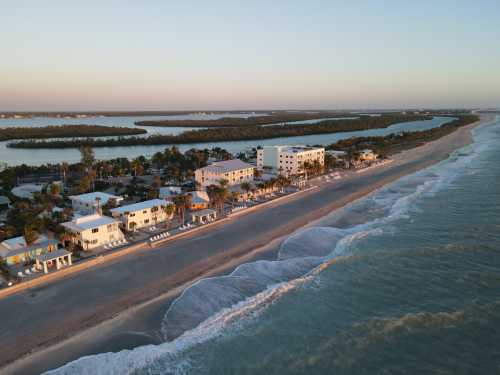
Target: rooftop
[205,212]
[26,190]
[88,222]
[139,206]
[91,197]
[199,197]
[53,255]
[229,165]
[17,245]
[298,148]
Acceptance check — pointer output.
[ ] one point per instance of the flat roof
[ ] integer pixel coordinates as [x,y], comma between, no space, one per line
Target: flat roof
[229,165]
[139,206]
[205,212]
[90,197]
[52,255]
[88,222]
[297,148]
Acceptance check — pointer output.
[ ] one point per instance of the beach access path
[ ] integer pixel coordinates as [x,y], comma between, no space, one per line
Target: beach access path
[45,315]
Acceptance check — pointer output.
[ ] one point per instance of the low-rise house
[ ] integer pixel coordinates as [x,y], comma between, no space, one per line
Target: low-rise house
[15,250]
[199,200]
[27,191]
[89,203]
[92,231]
[142,214]
[367,155]
[169,192]
[233,171]
[289,160]
[4,202]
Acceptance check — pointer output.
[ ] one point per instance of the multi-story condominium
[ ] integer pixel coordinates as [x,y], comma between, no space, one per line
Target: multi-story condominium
[16,251]
[289,160]
[234,171]
[92,231]
[88,203]
[142,214]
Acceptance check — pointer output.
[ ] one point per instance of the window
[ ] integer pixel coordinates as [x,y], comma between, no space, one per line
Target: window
[95,230]
[110,227]
[145,212]
[146,221]
[94,241]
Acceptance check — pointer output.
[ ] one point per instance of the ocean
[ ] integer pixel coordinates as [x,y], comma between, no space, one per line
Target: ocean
[403,281]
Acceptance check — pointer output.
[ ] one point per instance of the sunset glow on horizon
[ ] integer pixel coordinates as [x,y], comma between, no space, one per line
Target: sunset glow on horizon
[158,55]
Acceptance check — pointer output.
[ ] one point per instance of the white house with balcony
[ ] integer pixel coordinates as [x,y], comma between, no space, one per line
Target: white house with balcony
[89,202]
[289,160]
[140,215]
[92,231]
[234,171]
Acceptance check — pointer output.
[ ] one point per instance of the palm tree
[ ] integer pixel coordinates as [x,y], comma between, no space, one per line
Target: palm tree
[64,170]
[246,186]
[234,197]
[182,202]
[30,235]
[98,201]
[168,209]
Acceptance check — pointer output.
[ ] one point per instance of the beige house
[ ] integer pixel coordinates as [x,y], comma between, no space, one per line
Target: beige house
[92,231]
[367,155]
[142,214]
[289,160]
[234,171]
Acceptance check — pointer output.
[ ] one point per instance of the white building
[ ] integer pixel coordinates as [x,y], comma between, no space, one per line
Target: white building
[88,203]
[27,191]
[234,171]
[367,155]
[169,192]
[142,214]
[289,160]
[92,231]
[199,200]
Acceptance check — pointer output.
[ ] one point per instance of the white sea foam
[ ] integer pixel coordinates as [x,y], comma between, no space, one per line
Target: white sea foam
[212,306]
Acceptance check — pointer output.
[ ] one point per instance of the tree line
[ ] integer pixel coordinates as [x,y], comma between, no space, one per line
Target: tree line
[66,131]
[232,133]
[393,143]
[274,118]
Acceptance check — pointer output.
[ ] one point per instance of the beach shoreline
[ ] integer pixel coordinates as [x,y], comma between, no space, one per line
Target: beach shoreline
[92,335]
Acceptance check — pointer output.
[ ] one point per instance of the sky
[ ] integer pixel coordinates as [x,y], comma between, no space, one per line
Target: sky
[207,55]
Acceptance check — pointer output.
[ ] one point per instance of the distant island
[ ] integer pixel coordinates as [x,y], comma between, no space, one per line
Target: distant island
[85,114]
[274,118]
[220,134]
[66,131]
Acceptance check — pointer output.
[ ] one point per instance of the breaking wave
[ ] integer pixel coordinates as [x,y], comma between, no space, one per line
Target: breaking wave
[209,307]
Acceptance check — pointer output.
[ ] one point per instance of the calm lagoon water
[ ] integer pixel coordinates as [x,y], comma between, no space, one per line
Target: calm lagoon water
[404,281]
[42,156]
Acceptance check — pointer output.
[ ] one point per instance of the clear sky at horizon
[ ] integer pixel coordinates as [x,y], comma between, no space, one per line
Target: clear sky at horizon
[173,55]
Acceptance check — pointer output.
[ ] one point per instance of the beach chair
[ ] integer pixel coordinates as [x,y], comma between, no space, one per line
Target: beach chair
[20,274]
[168,234]
[27,271]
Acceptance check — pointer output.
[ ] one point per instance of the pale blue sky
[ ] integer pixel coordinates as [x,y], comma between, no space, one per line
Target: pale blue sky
[124,55]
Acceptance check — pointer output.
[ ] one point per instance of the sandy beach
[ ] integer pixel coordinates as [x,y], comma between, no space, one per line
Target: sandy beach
[121,304]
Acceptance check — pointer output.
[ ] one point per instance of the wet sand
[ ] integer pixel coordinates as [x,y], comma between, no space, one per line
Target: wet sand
[121,304]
